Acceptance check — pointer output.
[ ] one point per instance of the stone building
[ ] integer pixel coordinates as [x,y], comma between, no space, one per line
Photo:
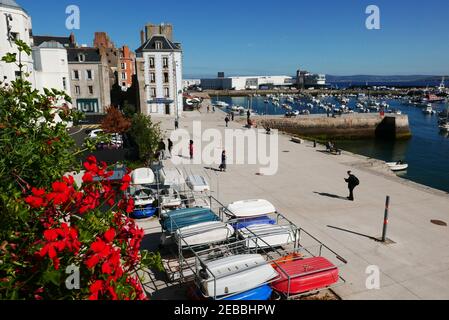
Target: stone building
[90,82]
[159,72]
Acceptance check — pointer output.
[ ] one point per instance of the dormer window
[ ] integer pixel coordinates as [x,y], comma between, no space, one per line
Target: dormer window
[158,45]
[81,57]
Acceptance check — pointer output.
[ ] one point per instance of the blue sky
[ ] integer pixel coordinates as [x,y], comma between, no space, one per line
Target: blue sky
[272,37]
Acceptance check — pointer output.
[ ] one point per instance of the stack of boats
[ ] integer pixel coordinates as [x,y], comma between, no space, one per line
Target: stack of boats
[229,248]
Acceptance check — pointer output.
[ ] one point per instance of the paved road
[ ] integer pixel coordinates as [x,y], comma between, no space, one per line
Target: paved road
[309,189]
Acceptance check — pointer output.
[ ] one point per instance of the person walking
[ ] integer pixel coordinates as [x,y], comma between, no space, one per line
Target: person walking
[248,115]
[176,124]
[352,182]
[208,109]
[223,161]
[170,147]
[161,148]
[191,149]
[232,115]
[227,121]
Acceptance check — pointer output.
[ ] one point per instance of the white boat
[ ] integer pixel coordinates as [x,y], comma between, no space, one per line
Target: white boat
[267,235]
[397,166]
[235,274]
[142,195]
[429,110]
[197,183]
[169,197]
[444,127]
[251,208]
[142,176]
[221,104]
[172,177]
[204,233]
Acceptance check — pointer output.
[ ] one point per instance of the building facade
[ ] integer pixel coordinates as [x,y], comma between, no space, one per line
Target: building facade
[159,72]
[89,78]
[51,68]
[15,24]
[245,83]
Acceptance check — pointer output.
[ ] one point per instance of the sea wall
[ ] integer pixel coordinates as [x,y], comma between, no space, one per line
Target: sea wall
[346,127]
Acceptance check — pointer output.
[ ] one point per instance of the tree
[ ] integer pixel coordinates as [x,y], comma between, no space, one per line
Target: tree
[115,121]
[146,135]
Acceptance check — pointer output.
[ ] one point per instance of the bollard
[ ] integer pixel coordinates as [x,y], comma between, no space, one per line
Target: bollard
[387,206]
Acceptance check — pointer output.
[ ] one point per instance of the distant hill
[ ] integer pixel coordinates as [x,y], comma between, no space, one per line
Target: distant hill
[371,78]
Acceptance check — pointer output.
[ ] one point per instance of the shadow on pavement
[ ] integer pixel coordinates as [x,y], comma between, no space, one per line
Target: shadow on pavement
[329,195]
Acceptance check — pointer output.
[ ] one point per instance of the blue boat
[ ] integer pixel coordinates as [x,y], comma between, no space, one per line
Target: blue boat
[244,223]
[184,212]
[262,293]
[143,213]
[172,224]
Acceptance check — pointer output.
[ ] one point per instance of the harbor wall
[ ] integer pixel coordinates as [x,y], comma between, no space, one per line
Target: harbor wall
[346,127]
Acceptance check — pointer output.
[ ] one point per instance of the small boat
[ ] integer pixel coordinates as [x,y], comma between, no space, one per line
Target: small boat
[267,235]
[143,201]
[142,176]
[246,222]
[262,293]
[174,222]
[251,208]
[235,274]
[305,275]
[171,177]
[397,166]
[144,212]
[197,184]
[429,110]
[204,233]
[444,127]
[221,104]
[169,197]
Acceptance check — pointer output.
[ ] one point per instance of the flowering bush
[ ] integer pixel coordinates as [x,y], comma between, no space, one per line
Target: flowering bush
[52,231]
[87,228]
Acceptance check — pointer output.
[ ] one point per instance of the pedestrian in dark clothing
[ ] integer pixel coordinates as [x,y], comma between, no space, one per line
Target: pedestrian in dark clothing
[232,115]
[191,149]
[248,114]
[176,124]
[161,148]
[170,147]
[227,121]
[223,161]
[208,109]
[213,109]
[353,182]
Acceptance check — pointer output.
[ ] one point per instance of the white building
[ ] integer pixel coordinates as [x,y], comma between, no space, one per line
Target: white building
[15,23]
[51,67]
[187,83]
[159,69]
[245,83]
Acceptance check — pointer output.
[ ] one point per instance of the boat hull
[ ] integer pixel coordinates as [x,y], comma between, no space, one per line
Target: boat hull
[251,208]
[244,223]
[143,213]
[204,233]
[262,293]
[237,274]
[305,275]
[267,235]
[197,184]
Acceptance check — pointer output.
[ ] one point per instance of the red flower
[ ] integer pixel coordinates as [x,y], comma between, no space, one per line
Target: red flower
[126,180]
[109,235]
[88,177]
[60,194]
[34,202]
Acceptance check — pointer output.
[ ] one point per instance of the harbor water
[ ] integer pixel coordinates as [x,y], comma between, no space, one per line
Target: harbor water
[427,152]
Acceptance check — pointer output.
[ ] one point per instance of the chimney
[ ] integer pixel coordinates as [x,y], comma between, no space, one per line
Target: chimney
[142,37]
[72,39]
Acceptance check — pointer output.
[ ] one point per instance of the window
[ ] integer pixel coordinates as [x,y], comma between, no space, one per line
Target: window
[152,77]
[124,84]
[64,83]
[89,74]
[123,75]
[14,36]
[166,79]
[81,57]
[76,75]
[152,63]
[18,75]
[167,92]
[158,45]
[91,90]
[123,66]
[165,62]
[77,90]
[153,92]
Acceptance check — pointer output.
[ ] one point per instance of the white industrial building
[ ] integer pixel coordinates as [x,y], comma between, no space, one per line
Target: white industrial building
[15,24]
[245,83]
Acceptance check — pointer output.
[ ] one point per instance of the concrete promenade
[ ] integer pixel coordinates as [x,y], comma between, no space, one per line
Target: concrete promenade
[309,189]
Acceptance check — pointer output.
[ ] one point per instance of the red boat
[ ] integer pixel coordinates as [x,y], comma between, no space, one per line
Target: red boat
[305,275]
